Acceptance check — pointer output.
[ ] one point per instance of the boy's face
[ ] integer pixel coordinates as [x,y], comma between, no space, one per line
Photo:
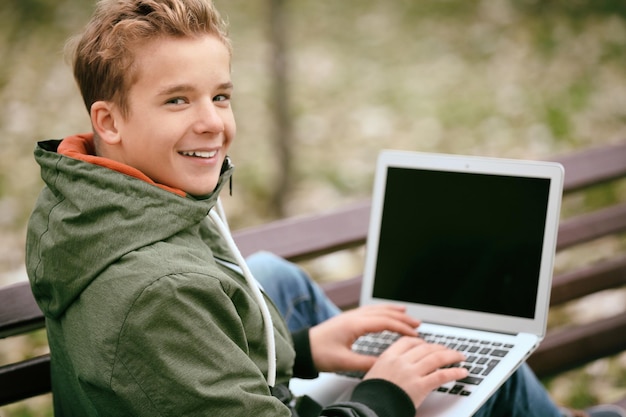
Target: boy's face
[180,124]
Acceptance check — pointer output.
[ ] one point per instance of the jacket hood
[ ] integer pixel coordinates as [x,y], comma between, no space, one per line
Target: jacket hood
[74,232]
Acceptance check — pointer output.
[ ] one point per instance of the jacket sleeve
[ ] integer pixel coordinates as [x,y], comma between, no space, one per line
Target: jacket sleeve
[303,366]
[374,398]
[370,398]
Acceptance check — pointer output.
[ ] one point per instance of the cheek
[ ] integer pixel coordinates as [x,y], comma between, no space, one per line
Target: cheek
[150,145]
[231,130]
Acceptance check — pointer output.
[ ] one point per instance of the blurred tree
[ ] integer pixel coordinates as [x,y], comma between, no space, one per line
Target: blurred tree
[280,106]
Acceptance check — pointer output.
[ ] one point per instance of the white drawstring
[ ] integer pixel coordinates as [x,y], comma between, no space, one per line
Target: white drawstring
[220,210]
[220,222]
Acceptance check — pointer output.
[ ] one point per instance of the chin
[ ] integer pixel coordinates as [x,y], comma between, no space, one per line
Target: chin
[200,192]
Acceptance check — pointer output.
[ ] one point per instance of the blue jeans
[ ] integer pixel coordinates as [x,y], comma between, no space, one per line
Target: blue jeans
[304,304]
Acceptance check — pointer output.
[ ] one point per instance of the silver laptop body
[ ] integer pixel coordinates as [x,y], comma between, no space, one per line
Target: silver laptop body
[467,245]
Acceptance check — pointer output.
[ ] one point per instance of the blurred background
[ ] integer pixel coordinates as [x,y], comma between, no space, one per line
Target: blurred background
[322,86]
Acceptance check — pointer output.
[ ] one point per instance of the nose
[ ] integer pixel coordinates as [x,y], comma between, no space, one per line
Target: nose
[209,119]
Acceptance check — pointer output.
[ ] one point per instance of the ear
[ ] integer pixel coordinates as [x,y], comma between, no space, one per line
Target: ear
[103,120]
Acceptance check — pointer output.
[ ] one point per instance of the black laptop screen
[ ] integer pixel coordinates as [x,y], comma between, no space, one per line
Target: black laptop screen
[462,240]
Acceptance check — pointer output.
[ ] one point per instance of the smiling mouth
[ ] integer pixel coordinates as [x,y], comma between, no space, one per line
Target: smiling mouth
[199,154]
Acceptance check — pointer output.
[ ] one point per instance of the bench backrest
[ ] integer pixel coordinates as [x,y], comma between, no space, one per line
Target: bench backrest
[308,237]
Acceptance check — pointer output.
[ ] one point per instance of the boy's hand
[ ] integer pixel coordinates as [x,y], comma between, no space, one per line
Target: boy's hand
[331,341]
[415,366]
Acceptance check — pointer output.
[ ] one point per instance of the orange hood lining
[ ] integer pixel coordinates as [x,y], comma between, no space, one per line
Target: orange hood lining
[81,147]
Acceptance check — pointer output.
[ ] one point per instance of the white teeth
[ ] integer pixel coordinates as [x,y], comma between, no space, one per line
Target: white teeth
[200,154]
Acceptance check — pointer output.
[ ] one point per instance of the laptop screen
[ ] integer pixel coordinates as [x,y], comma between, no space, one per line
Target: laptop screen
[462,240]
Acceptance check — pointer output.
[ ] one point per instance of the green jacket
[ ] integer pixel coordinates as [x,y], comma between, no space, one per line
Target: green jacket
[142,319]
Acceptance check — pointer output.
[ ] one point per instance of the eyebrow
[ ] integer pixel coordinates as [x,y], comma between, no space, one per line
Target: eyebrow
[183,88]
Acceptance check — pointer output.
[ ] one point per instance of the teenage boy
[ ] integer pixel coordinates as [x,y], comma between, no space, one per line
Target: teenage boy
[150,308]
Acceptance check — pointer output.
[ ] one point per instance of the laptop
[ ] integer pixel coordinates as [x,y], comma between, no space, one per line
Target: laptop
[467,245]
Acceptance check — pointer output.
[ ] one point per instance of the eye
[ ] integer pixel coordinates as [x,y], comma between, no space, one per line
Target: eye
[221,97]
[176,101]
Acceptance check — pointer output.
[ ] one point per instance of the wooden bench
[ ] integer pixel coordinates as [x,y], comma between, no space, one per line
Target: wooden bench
[311,237]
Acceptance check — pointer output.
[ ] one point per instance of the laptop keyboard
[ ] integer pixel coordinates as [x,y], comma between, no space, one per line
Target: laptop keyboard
[482,356]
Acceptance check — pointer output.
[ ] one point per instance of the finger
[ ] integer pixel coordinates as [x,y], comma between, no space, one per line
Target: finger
[405,329]
[403,345]
[379,324]
[390,310]
[429,357]
[358,362]
[386,319]
[386,306]
[441,376]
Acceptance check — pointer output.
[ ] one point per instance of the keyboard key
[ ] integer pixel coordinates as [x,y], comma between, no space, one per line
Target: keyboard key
[477,370]
[488,370]
[456,389]
[472,380]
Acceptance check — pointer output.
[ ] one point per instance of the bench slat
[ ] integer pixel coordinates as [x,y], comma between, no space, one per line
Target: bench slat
[597,277]
[566,349]
[19,313]
[306,237]
[25,379]
[593,166]
[586,227]
[345,293]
